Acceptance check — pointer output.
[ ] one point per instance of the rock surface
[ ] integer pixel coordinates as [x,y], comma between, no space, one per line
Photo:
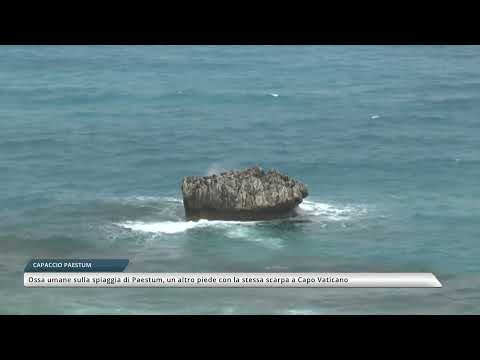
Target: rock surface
[250,194]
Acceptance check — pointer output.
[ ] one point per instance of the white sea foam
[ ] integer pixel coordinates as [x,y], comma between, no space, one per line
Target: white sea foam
[300,312]
[150,199]
[250,234]
[331,212]
[269,242]
[174,227]
[215,169]
[374,116]
[172,199]
[238,232]
[165,227]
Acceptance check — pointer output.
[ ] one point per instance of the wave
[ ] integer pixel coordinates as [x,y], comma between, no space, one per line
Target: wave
[174,227]
[215,169]
[331,212]
[165,227]
[175,224]
[307,207]
[253,235]
[154,199]
[300,312]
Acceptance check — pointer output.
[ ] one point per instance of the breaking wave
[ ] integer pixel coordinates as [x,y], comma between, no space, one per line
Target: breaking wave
[174,227]
[140,200]
[331,212]
[173,223]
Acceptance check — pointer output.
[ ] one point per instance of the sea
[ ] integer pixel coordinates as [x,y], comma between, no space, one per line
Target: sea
[95,140]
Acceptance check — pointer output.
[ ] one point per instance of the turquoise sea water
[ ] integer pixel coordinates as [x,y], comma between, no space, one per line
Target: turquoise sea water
[94,142]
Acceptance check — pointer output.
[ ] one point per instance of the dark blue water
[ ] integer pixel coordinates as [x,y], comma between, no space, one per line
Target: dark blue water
[94,142]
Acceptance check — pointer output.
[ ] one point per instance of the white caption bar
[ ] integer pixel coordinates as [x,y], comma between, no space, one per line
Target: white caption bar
[233,280]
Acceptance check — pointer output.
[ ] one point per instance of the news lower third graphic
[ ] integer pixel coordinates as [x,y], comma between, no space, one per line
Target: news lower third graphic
[90,273]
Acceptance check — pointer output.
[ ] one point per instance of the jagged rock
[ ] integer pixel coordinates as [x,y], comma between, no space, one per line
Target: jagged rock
[250,194]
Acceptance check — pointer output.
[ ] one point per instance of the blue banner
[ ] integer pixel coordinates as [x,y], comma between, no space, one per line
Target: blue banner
[76,265]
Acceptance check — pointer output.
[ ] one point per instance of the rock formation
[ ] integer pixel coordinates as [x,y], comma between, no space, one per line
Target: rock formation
[250,194]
